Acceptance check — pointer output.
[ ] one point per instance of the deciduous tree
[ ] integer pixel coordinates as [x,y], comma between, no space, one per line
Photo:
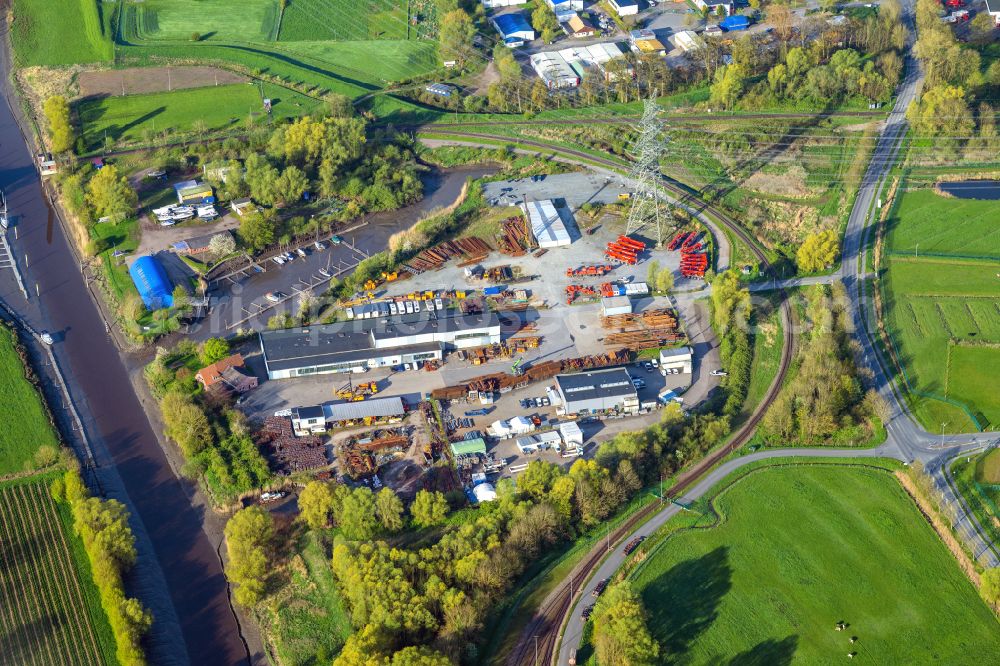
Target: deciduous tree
[818,251]
[110,195]
[621,637]
[389,509]
[214,349]
[248,536]
[429,508]
[61,134]
[455,35]
[316,504]
[257,230]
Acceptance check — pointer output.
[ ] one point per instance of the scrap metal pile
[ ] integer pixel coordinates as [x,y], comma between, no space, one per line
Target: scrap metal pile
[503,382]
[652,328]
[480,355]
[364,454]
[287,453]
[585,271]
[470,250]
[515,237]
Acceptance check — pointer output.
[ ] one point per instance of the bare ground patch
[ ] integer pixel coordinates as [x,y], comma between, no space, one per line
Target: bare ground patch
[138,80]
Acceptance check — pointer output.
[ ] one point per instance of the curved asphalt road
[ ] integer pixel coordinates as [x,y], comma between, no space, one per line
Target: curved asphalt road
[906,440]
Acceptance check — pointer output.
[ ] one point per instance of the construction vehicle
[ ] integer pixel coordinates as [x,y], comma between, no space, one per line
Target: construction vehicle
[356,393]
[516,368]
[370,285]
[390,277]
[624,196]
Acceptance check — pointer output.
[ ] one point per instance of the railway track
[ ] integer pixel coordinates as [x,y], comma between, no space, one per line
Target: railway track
[540,638]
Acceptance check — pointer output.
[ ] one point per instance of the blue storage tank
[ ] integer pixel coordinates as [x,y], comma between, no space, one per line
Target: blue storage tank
[734,23]
[152,282]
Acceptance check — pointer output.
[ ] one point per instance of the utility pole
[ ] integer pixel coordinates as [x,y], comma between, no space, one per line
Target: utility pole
[536,649]
[648,202]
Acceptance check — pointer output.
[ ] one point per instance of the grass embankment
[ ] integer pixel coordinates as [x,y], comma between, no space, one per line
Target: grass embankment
[26,422]
[53,611]
[798,549]
[978,479]
[309,20]
[941,307]
[47,32]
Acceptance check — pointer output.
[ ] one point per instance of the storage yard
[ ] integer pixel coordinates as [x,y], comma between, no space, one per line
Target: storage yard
[489,351]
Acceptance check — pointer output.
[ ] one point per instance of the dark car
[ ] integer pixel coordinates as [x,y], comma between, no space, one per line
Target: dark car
[586,612]
[600,587]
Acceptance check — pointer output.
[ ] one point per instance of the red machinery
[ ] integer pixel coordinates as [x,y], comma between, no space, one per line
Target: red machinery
[598,271]
[678,240]
[694,264]
[574,290]
[625,250]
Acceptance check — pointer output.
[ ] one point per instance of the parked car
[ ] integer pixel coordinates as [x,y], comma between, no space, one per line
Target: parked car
[278,260]
[319,246]
[325,273]
[336,240]
[271,497]
[274,296]
[600,587]
[648,366]
[638,383]
[633,544]
[301,253]
[586,612]
[719,373]
[46,337]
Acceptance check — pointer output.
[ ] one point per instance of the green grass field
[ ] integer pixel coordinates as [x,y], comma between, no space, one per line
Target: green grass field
[372,62]
[312,20]
[253,20]
[51,612]
[978,480]
[800,548]
[59,32]
[26,424]
[928,223]
[942,313]
[133,117]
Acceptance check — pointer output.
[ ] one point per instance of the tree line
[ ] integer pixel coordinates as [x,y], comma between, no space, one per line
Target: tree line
[110,546]
[825,399]
[215,440]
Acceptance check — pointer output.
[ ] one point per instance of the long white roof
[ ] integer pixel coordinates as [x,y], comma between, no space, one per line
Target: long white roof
[546,223]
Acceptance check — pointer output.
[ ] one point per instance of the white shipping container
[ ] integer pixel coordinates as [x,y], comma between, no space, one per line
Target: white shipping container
[636,289]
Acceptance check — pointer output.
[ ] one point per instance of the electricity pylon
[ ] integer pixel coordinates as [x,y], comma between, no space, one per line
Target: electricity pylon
[650,207]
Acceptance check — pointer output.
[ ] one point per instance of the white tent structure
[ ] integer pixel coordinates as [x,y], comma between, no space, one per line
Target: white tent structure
[571,434]
[521,424]
[484,492]
[546,224]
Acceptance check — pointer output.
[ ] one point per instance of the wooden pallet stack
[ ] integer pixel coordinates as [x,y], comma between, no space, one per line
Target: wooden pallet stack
[471,250]
[652,328]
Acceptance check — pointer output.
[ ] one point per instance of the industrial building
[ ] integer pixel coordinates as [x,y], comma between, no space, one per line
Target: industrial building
[152,283]
[687,41]
[680,358]
[598,391]
[319,418]
[546,224]
[361,344]
[493,4]
[513,28]
[542,441]
[571,434]
[554,71]
[593,59]
[565,5]
[616,305]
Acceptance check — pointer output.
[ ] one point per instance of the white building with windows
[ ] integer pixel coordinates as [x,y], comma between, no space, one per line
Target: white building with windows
[362,344]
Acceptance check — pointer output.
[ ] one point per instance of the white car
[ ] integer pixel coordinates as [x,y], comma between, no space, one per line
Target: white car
[274,296]
[288,256]
[278,260]
[325,273]
[319,246]
[719,373]
[271,497]
[46,337]
[301,253]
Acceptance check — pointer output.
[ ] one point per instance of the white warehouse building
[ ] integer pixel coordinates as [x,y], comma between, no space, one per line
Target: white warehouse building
[547,224]
[359,345]
[554,71]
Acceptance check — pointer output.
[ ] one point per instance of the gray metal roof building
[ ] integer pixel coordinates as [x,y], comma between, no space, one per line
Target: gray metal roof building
[598,391]
[369,343]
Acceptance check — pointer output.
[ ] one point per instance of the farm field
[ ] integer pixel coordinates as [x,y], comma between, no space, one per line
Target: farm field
[47,32]
[311,20]
[926,223]
[941,311]
[129,118]
[800,548]
[26,424]
[51,612]
[212,19]
[978,479]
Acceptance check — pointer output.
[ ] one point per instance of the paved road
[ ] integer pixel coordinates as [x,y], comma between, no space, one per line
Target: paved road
[906,439]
